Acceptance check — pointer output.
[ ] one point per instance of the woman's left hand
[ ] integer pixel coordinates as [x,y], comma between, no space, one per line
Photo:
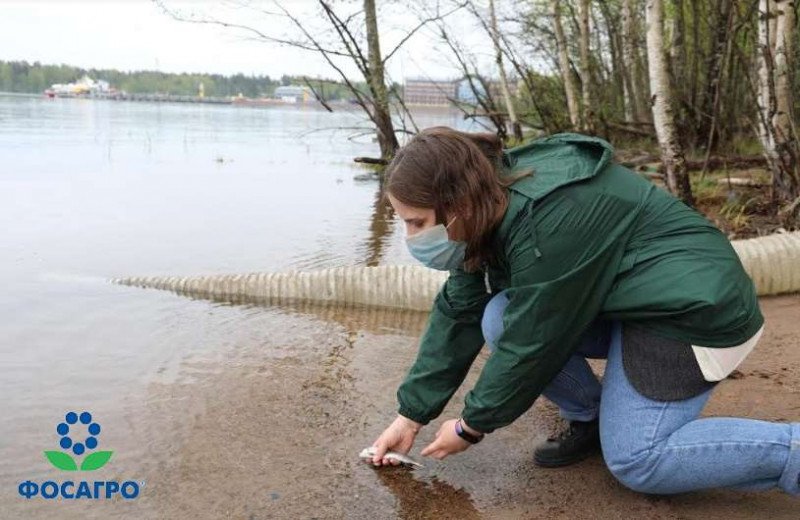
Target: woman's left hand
[447,442]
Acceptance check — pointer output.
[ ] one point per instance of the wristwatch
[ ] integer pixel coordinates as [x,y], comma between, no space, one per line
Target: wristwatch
[466,435]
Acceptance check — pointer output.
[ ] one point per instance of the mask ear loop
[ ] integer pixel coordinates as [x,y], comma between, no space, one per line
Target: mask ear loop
[454,219]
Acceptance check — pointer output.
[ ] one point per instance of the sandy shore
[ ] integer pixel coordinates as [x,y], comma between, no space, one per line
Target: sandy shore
[276,433]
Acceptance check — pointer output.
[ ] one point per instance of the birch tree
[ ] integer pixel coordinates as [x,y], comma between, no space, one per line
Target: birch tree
[672,154]
[774,100]
[498,50]
[566,69]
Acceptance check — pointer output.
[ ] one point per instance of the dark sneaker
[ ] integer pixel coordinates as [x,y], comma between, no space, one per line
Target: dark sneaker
[579,441]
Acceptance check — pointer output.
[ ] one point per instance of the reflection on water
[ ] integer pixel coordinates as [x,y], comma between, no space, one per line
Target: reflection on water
[381,227]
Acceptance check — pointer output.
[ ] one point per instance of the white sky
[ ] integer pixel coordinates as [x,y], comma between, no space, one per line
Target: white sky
[136,35]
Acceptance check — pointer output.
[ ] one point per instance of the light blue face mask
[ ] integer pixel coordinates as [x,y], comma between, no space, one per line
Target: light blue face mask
[433,248]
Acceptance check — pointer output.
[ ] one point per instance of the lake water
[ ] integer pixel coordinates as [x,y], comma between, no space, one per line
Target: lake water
[91,190]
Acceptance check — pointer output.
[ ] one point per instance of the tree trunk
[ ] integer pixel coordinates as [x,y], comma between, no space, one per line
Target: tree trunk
[773,23]
[377,84]
[566,70]
[586,71]
[512,114]
[727,99]
[663,112]
[633,77]
[676,65]
[601,70]
[697,49]
[716,61]
[764,60]
[678,48]
[783,53]
[775,130]
[619,72]
[785,138]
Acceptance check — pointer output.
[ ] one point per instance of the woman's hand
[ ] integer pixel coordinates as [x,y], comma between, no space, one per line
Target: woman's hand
[447,442]
[399,437]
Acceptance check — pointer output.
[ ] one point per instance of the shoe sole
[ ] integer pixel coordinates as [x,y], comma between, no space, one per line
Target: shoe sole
[558,463]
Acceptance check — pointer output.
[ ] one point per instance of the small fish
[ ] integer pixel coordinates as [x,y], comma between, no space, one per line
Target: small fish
[368,453]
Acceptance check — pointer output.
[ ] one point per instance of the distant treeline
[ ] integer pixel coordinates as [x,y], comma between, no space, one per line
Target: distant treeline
[21,76]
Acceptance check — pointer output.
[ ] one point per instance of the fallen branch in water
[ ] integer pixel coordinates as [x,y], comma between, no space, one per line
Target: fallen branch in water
[371,160]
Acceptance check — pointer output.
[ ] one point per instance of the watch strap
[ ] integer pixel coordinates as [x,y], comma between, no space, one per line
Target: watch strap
[461,432]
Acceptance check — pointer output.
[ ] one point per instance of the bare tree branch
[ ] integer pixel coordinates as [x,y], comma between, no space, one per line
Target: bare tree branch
[422,24]
[360,99]
[316,95]
[350,43]
[260,35]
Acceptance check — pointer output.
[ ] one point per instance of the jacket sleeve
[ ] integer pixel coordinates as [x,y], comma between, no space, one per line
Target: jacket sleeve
[449,345]
[557,288]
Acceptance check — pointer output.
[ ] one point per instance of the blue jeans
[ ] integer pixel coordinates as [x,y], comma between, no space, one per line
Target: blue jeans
[661,446]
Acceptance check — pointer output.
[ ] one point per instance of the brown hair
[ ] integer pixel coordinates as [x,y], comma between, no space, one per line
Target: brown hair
[455,172]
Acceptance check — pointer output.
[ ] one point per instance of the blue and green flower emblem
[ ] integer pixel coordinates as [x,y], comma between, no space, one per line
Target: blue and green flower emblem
[70,431]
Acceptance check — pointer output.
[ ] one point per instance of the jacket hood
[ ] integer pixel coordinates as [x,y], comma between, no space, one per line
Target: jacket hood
[557,160]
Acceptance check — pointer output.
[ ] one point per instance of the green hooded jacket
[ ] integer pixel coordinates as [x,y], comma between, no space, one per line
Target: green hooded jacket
[582,238]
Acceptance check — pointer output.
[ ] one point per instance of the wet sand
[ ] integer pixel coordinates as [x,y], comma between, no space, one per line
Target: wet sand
[276,431]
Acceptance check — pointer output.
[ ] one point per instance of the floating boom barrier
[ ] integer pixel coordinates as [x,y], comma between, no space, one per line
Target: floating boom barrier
[773,262]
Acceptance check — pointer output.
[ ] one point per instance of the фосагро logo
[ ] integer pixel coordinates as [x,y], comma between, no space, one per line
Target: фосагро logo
[73,424]
[78,434]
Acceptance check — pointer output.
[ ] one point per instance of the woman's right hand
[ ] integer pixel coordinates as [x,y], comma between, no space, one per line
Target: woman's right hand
[399,437]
